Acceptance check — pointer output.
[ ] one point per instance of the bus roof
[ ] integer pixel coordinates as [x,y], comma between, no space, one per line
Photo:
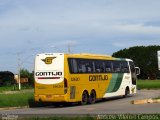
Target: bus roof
[99,56]
[87,55]
[92,55]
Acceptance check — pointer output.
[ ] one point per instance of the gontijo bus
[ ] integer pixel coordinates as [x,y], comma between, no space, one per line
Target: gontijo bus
[82,78]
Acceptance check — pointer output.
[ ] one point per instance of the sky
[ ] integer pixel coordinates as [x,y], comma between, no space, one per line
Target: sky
[30,27]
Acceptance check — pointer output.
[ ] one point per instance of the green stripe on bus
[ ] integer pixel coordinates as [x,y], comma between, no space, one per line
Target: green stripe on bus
[112,83]
[118,83]
[115,82]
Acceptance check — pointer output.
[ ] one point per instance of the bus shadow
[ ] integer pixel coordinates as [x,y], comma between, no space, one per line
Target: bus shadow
[112,99]
[75,104]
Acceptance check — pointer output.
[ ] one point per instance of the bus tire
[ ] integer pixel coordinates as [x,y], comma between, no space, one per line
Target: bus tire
[92,97]
[85,97]
[126,92]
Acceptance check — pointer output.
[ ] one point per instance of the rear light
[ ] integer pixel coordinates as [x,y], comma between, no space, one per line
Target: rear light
[65,85]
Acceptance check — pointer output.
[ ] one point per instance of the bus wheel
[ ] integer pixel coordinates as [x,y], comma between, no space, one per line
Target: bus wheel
[92,97]
[84,98]
[126,92]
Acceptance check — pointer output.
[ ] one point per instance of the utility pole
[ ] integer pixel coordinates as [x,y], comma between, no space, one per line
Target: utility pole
[158,55]
[19,74]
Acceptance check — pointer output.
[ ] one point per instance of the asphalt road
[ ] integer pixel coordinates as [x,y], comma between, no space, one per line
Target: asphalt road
[117,105]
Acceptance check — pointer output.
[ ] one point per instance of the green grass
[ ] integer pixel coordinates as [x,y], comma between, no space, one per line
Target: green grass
[14,88]
[7,88]
[148,84]
[18,99]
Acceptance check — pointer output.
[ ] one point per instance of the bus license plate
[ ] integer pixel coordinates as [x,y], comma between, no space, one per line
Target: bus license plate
[48,96]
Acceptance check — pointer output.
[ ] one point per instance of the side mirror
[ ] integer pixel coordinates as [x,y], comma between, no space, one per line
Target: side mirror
[137,70]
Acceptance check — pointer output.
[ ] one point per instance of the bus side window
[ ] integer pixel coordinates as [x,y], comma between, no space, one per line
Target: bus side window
[108,66]
[89,66]
[132,67]
[73,65]
[85,66]
[99,66]
[81,66]
[124,67]
[116,67]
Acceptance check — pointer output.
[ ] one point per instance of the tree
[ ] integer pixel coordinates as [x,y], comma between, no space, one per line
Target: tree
[6,78]
[24,73]
[143,56]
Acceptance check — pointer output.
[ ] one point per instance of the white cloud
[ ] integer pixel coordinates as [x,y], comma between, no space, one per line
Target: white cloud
[87,25]
[138,29]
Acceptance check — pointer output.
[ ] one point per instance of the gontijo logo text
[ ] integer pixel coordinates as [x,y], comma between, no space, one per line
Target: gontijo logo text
[48,60]
[48,75]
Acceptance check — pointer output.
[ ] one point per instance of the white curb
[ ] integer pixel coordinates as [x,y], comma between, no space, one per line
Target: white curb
[145,101]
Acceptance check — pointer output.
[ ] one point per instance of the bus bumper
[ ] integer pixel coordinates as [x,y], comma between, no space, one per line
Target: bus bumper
[50,98]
